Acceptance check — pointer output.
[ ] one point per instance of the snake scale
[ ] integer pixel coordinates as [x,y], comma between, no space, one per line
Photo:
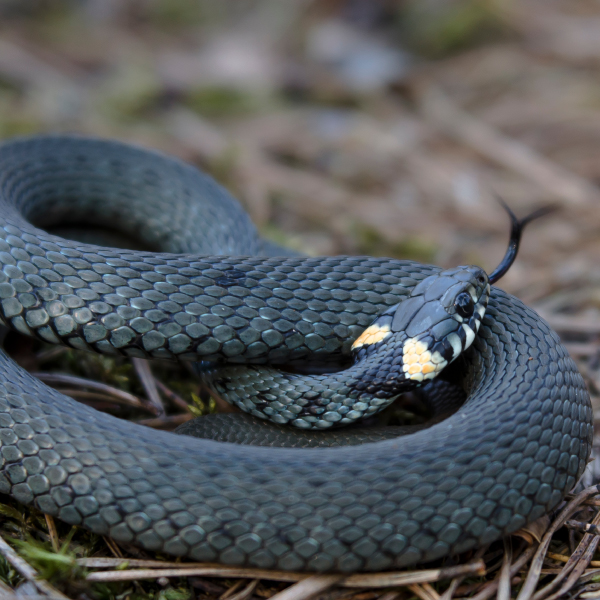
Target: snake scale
[210,292]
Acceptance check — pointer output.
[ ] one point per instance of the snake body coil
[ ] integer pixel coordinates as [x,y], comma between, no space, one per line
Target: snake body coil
[506,457]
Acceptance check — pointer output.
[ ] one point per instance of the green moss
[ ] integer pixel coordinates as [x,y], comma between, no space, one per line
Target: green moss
[112,370]
[176,13]
[220,101]
[223,169]
[275,234]
[174,594]
[133,104]
[371,242]
[436,28]
[7,573]
[16,126]
[25,528]
[200,407]
[51,565]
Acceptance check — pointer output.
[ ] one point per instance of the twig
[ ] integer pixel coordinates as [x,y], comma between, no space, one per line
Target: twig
[207,586]
[447,595]
[490,588]
[511,154]
[144,373]
[124,397]
[7,593]
[246,592]
[390,596]
[376,580]
[172,396]
[95,397]
[505,576]
[533,576]
[564,559]
[28,572]
[112,546]
[592,502]
[162,422]
[574,567]
[50,354]
[53,533]
[309,587]
[577,572]
[430,590]
[232,590]
[424,591]
[585,527]
[105,562]
[589,575]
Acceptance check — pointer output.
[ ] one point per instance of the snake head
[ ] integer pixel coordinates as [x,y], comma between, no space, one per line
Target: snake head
[432,326]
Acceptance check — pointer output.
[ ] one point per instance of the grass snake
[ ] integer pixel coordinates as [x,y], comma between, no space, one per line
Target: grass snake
[205,289]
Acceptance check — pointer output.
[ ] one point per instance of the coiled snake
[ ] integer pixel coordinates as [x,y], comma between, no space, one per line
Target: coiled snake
[507,456]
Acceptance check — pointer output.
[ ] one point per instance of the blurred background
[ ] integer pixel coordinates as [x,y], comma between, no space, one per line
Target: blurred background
[350,126]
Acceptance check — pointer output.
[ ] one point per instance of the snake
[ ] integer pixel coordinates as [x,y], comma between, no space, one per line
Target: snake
[203,286]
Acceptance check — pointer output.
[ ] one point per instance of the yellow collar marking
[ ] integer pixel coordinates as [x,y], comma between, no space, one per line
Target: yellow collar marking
[371,335]
[419,363]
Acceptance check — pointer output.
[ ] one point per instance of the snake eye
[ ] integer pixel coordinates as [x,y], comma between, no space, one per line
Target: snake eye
[464,305]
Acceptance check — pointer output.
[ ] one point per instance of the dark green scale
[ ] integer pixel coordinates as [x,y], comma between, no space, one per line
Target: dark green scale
[509,455]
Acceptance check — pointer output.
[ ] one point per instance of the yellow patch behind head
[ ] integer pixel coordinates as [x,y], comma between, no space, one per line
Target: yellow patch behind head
[371,335]
[419,363]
